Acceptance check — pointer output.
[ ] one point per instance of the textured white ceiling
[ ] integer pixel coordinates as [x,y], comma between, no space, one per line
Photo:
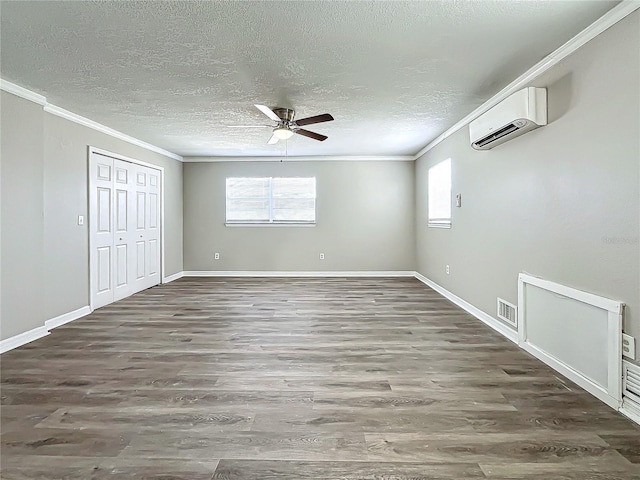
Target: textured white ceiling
[394,74]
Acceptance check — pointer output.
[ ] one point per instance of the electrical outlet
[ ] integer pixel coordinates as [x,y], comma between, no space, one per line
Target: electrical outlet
[216,256]
[446,269]
[459,200]
[628,346]
[322,256]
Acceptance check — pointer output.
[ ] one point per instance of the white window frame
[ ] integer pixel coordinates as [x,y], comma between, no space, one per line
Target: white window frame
[271,221]
[438,193]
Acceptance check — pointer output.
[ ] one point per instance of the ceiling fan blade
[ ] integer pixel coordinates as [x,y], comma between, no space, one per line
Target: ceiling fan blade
[268,112]
[272,140]
[249,126]
[325,117]
[307,133]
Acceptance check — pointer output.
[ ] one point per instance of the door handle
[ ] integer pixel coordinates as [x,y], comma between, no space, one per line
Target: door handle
[120,239]
[140,236]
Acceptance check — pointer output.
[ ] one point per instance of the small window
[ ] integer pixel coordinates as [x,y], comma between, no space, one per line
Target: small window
[440,195]
[271,200]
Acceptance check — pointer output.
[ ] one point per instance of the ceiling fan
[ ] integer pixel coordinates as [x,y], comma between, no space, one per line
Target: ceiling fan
[287,125]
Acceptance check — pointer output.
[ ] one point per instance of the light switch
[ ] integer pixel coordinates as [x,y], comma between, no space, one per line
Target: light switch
[80,219]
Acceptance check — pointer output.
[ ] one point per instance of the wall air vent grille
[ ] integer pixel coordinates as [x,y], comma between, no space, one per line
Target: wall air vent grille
[631,385]
[507,312]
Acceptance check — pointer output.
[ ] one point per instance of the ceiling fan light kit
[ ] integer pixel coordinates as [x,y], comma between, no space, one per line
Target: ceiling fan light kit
[282,133]
[287,125]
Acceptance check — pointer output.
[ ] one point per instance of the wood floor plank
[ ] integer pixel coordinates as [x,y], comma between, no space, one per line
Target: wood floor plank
[628,445]
[48,467]
[297,378]
[296,470]
[526,447]
[575,469]
[144,418]
[364,420]
[257,445]
[155,469]
[62,442]
[36,467]
[23,417]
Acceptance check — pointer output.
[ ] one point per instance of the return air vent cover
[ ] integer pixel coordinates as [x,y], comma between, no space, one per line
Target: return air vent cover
[631,385]
[507,312]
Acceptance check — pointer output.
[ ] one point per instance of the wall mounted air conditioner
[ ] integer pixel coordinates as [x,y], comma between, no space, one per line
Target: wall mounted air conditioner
[515,115]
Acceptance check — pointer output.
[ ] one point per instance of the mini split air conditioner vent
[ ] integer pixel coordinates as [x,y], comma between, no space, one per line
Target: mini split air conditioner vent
[507,312]
[512,127]
[517,114]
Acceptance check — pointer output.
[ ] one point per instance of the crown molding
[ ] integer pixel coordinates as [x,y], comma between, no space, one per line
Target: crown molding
[22,92]
[310,158]
[74,117]
[613,16]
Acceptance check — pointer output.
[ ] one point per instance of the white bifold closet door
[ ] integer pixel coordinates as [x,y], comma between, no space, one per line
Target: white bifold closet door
[124,221]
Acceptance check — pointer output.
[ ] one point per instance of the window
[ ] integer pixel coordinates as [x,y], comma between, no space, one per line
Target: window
[440,195]
[271,200]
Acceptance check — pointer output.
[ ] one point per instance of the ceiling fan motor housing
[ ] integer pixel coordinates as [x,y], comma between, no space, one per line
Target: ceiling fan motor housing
[285,114]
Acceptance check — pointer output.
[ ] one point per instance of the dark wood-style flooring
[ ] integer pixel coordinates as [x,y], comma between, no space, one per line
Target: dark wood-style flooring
[291,379]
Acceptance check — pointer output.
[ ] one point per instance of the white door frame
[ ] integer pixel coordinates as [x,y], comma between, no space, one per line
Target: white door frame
[92,151]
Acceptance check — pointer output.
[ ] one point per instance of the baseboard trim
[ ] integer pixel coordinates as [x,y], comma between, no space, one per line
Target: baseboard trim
[630,409]
[240,273]
[23,338]
[67,317]
[39,332]
[171,278]
[476,312]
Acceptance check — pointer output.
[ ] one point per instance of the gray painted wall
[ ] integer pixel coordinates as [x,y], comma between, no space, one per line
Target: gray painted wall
[66,197]
[561,202]
[22,215]
[45,254]
[365,219]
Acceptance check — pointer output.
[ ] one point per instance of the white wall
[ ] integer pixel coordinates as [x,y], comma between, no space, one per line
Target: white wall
[45,253]
[365,219]
[561,202]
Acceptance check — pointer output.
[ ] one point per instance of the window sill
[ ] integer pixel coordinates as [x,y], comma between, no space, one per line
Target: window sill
[439,225]
[269,224]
